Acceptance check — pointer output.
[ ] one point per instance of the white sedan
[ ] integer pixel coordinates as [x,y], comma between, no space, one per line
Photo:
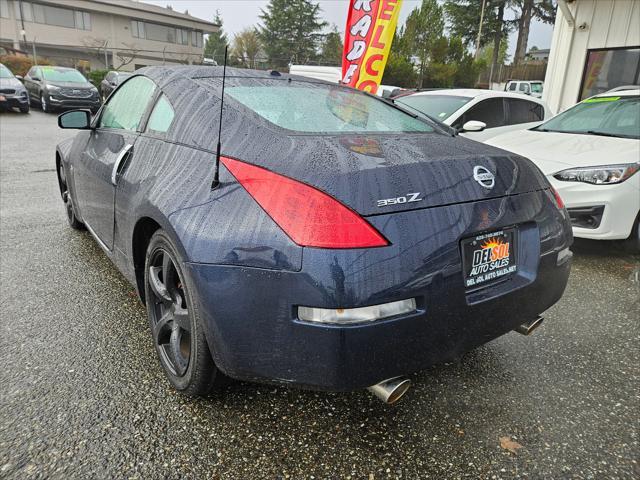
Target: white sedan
[591,155]
[475,113]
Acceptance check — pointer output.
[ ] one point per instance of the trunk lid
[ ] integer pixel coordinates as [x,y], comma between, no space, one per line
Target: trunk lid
[391,173]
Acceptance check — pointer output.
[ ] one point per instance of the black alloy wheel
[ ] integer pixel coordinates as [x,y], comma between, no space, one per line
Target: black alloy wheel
[169,313]
[66,199]
[43,103]
[175,325]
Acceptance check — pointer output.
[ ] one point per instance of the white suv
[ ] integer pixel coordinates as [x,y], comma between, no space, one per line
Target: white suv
[525,87]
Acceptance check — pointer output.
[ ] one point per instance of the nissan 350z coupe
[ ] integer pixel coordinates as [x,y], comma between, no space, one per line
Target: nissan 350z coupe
[346,242]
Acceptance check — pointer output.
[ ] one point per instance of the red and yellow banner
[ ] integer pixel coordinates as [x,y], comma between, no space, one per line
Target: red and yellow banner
[368,36]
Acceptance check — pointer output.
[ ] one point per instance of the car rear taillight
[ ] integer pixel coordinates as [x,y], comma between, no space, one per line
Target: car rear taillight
[311,218]
[556,196]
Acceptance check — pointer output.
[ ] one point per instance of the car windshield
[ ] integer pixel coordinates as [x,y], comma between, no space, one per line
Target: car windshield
[319,108]
[62,75]
[607,116]
[439,107]
[5,72]
[536,87]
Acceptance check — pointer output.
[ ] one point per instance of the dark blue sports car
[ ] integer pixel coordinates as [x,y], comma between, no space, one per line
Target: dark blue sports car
[346,243]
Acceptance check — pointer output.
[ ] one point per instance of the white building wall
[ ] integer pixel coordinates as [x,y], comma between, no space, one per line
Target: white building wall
[597,24]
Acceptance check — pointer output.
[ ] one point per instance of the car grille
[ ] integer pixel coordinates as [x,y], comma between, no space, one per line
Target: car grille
[8,91]
[75,93]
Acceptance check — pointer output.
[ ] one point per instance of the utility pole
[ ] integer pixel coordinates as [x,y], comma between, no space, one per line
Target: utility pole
[35,57]
[106,59]
[23,32]
[484,3]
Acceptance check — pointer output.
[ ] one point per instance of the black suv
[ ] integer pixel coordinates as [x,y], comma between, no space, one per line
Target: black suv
[60,88]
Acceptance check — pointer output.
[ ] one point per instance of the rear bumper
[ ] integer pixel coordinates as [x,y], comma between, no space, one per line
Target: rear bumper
[250,314]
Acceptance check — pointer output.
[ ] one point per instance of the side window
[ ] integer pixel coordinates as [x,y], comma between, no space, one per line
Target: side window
[128,104]
[489,111]
[513,86]
[522,111]
[161,116]
[524,88]
[109,77]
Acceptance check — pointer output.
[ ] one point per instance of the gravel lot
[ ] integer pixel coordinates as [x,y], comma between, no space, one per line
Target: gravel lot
[83,396]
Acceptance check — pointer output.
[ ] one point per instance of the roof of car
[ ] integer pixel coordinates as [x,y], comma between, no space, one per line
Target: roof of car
[620,93]
[160,73]
[476,92]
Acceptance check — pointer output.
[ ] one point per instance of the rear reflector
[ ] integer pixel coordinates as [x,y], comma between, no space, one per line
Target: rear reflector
[311,218]
[559,201]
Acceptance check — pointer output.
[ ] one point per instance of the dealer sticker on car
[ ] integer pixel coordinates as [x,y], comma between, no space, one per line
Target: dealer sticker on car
[489,257]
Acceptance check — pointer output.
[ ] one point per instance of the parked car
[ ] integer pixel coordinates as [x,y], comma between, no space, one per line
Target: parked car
[477,114]
[525,87]
[418,244]
[591,155]
[12,92]
[110,82]
[56,88]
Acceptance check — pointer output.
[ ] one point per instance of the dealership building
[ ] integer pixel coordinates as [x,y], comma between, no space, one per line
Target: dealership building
[595,47]
[98,34]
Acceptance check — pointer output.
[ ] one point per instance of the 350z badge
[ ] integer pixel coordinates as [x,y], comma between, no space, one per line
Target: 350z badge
[408,198]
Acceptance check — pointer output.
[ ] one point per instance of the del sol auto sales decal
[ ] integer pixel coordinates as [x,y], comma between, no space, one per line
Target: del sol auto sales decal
[370,28]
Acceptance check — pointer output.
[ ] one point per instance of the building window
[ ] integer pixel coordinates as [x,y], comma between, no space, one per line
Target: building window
[196,39]
[183,36]
[137,29]
[609,68]
[49,15]
[159,33]
[4,9]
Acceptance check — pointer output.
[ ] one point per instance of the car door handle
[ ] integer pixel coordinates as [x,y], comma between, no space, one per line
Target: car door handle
[116,166]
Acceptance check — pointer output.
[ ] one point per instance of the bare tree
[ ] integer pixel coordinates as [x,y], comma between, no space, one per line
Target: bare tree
[127,56]
[246,47]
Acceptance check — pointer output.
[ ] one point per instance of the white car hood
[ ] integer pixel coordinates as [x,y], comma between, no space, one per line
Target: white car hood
[553,152]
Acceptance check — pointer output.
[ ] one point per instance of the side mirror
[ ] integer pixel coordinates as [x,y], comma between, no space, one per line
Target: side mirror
[35,79]
[474,126]
[77,119]
[19,77]
[114,84]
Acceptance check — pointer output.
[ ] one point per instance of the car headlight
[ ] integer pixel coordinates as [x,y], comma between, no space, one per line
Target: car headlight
[345,316]
[605,175]
[53,88]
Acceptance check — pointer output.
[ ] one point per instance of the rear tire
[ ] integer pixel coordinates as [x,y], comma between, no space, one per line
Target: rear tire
[73,220]
[177,328]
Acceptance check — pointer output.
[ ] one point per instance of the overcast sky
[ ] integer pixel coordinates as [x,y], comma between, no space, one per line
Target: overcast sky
[239,14]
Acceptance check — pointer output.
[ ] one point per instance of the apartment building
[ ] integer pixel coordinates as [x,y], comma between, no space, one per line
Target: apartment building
[99,34]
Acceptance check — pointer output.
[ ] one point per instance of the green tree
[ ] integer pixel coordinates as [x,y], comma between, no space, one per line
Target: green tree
[464,21]
[399,71]
[331,49]
[423,29]
[544,10]
[216,42]
[290,31]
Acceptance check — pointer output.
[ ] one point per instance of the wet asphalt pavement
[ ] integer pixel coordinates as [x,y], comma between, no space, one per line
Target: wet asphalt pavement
[83,396]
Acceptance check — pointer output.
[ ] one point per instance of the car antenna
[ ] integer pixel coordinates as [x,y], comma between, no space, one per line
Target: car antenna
[216,180]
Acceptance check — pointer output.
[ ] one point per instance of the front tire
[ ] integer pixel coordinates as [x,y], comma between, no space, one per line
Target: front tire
[176,326]
[632,244]
[24,109]
[43,104]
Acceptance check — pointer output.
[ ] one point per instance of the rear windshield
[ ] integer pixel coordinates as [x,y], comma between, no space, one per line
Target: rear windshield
[318,108]
[436,106]
[536,87]
[60,75]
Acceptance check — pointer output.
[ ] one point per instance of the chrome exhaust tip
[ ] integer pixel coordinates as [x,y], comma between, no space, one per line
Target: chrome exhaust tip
[391,390]
[528,328]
